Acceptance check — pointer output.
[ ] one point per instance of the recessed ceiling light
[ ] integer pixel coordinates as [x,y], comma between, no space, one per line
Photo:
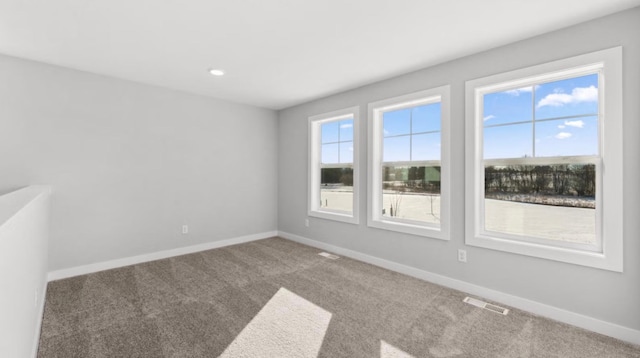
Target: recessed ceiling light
[216,72]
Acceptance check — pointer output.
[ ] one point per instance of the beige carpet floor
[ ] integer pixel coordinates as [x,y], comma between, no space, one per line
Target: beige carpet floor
[275,297]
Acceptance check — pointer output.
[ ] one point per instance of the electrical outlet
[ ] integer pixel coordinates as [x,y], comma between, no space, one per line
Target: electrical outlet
[306,222]
[185,229]
[462,255]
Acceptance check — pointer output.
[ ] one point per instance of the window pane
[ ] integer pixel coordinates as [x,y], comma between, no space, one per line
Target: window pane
[577,136]
[508,106]
[346,130]
[396,122]
[426,118]
[329,153]
[346,152]
[411,193]
[336,189]
[553,202]
[570,97]
[330,132]
[425,146]
[509,141]
[396,149]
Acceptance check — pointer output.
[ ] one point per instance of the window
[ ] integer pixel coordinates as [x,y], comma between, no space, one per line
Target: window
[333,165]
[408,167]
[538,142]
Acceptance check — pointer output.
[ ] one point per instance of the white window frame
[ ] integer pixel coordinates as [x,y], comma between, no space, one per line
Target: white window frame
[313,207]
[375,218]
[609,166]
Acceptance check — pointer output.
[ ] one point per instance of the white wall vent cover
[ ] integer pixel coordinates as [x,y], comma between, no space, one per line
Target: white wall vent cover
[486,306]
[329,256]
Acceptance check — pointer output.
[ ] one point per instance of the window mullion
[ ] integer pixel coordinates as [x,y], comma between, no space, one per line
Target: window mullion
[339,141]
[410,134]
[533,120]
[587,159]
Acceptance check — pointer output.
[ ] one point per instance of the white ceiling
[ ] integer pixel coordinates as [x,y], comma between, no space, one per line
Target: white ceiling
[277,53]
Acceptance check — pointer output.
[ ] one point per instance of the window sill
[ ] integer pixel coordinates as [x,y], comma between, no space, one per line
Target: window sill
[598,260]
[335,216]
[418,230]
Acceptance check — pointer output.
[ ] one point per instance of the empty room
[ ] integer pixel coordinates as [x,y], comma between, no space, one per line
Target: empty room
[309,179]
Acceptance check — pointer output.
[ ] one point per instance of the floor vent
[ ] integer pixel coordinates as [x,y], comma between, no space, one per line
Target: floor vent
[329,256]
[486,306]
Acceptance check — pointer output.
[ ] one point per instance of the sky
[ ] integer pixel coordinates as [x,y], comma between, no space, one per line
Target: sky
[412,133]
[409,134]
[337,142]
[542,107]
[524,122]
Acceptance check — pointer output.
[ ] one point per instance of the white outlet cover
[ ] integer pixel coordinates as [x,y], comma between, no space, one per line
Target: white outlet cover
[462,255]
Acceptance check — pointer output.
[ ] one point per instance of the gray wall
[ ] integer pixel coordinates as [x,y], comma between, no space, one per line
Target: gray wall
[130,163]
[604,295]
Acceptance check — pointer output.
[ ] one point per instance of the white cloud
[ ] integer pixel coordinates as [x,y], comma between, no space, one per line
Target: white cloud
[585,94]
[578,124]
[578,95]
[346,125]
[561,126]
[491,116]
[563,135]
[517,91]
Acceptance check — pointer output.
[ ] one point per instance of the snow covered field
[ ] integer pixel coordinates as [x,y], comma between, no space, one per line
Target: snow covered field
[543,221]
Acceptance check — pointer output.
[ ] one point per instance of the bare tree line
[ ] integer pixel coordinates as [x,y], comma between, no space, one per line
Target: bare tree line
[342,176]
[559,179]
[411,179]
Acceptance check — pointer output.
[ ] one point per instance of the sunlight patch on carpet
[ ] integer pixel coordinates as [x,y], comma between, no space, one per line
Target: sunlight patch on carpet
[287,326]
[389,351]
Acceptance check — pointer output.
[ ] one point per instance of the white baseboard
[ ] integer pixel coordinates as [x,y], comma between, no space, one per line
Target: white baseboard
[127,261]
[609,329]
